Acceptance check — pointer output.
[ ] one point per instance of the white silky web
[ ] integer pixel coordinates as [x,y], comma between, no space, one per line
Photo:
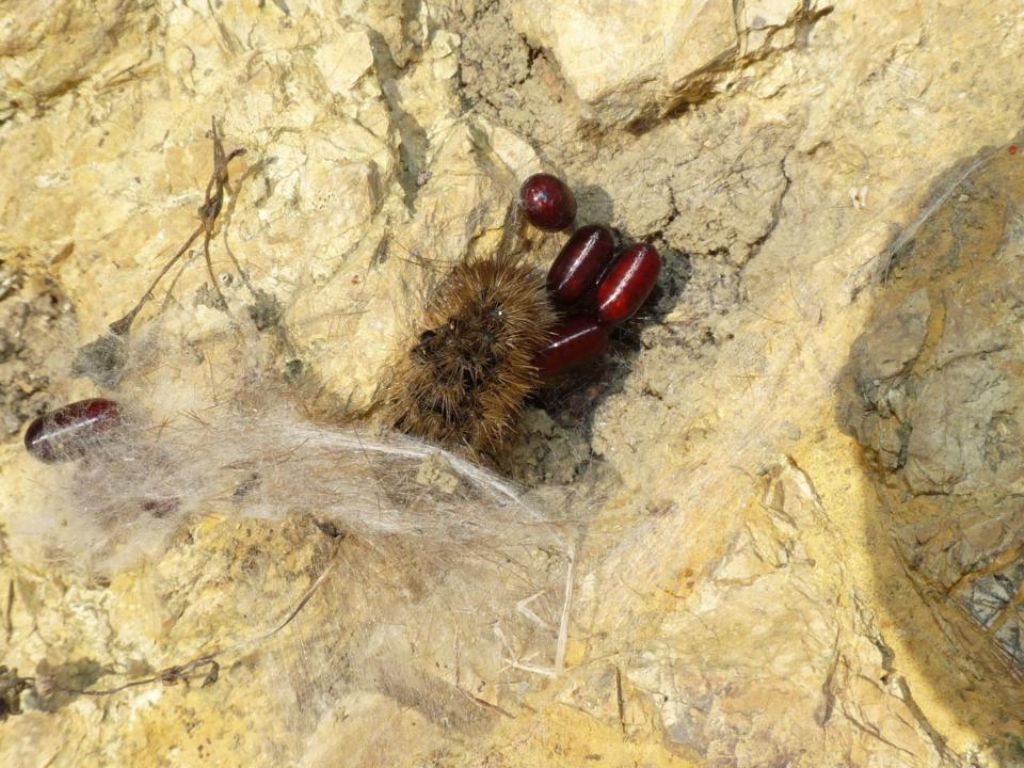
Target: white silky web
[317,562]
[139,482]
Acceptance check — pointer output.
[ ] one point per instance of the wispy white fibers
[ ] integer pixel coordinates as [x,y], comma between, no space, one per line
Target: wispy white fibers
[140,483]
[426,575]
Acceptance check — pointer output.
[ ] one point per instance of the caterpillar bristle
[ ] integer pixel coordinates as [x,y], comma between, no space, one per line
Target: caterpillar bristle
[463,381]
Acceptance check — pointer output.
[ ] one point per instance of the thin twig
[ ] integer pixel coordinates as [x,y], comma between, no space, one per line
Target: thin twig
[208,213]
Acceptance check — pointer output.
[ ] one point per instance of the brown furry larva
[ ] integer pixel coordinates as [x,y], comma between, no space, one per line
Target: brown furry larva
[463,382]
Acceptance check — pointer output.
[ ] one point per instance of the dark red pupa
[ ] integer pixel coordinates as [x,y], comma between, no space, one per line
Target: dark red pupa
[579,265]
[577,340]
[68,432]
[547,202]
[628,283]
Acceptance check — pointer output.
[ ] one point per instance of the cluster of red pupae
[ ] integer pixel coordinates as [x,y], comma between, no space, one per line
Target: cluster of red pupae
[596,287]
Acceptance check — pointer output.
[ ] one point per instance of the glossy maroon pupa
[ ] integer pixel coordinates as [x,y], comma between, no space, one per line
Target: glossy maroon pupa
[68,432]
[628,283]
[547,202]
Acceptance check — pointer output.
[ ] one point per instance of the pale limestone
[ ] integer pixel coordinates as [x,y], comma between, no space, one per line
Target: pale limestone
[738,599]
[343,61]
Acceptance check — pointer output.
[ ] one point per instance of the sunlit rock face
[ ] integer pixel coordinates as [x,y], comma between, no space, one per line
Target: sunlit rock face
[792,484]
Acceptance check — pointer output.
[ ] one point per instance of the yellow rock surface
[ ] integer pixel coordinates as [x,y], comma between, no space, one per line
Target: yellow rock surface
[766,574]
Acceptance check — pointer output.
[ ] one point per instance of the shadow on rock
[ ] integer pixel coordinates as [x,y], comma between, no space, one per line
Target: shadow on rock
[934,393]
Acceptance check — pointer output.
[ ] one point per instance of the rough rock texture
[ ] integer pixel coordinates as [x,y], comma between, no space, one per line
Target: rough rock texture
[934,390]
[799,471]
